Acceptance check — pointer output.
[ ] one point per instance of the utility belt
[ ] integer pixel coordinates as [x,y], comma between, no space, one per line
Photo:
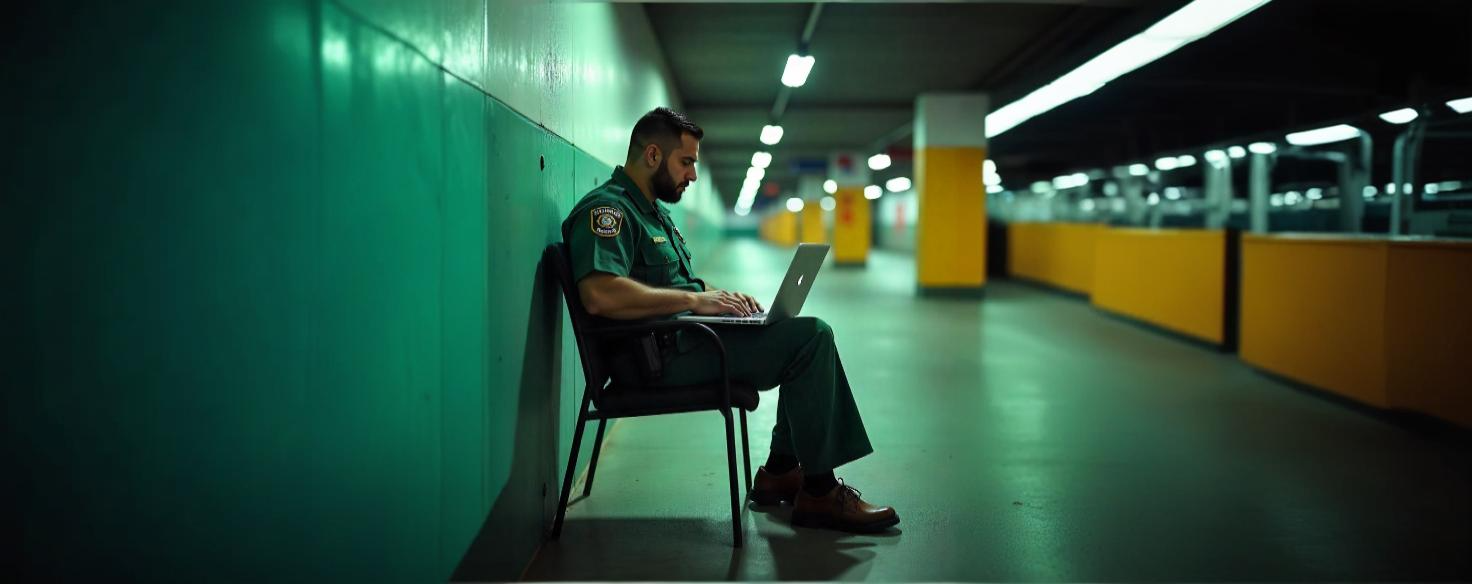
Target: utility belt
[648,352]
[657,348]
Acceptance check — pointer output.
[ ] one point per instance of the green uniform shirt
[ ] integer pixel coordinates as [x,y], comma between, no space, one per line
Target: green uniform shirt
[614,229]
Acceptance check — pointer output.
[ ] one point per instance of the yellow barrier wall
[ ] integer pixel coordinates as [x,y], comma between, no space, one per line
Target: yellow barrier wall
[1172,278]
[784,228]
[1313,309]
[1059,254]
[1429,322]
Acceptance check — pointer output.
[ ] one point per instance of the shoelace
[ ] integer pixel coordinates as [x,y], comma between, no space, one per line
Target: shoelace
[848,494]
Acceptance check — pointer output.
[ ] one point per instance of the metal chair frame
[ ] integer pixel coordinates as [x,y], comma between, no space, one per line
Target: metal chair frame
[589,341]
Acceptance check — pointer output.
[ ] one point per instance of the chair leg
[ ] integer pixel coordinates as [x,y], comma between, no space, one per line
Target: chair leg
[731,466]
[746,448]
[593,463]
[572,461]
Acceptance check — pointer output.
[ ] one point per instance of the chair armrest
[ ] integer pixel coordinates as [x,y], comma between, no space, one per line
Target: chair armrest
[652,325]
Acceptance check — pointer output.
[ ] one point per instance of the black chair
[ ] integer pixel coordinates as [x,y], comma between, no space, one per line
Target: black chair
[610,400]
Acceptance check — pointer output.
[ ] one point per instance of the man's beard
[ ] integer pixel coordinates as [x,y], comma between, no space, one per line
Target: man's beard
[664,186]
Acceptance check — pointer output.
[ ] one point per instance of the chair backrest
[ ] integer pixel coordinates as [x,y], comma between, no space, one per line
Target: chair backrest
[556,259]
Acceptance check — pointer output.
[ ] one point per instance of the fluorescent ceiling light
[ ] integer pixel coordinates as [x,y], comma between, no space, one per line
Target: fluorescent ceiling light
[830,186]
[1201,18]
[1138,169]
[993,189]
[1327,135]
[771,135]
[991,180]
[1191,22]
[1216,156]
[828,203]
[1236,152]
[897,184]
[749,188]
[747,196]
[872,192]
[1262,147]
[1041,186]
[797,70]
[761,159]
[794,204]
[1400,116]
[879,162]
[1461,106]
[1167,163]
[989,166]
[1185,160]
[1069,181]
[755,173]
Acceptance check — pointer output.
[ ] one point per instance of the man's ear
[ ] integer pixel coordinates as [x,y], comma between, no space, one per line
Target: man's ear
[651,155]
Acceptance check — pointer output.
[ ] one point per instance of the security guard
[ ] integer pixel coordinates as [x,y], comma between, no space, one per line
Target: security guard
[630,262]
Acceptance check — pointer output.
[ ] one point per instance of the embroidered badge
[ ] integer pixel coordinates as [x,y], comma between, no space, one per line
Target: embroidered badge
[607,221]
[659,239]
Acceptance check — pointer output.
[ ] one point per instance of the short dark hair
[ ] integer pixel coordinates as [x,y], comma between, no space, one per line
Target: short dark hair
[662,126]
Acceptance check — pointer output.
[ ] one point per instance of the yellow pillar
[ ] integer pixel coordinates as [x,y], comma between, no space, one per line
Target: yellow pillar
[849,174]
[812,230]
[851,226]
[950,147]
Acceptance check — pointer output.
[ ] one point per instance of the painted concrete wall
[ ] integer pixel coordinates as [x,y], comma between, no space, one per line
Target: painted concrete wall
[275,308]
[894,227]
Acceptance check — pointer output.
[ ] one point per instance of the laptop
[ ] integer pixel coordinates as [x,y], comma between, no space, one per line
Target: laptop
[794,290]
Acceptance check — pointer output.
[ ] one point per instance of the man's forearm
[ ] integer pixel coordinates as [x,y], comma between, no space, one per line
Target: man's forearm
[622,298]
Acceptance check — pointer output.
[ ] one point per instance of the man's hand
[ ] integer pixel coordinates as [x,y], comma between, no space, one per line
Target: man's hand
[751,304]
[719,302]
[623,298]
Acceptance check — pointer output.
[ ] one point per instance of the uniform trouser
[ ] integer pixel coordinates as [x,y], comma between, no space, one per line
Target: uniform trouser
[817,420]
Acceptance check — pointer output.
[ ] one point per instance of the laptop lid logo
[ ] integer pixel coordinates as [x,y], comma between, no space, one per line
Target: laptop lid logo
[799,280]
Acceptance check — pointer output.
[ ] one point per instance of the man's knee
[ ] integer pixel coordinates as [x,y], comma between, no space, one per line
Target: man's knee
[812,326]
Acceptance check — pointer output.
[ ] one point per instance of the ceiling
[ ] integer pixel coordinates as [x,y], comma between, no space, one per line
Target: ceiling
[1290,64]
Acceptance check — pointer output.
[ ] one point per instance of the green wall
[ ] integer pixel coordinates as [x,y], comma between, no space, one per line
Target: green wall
[274,309]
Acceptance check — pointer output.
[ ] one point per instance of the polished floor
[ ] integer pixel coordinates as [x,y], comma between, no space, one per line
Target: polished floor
[1029,437]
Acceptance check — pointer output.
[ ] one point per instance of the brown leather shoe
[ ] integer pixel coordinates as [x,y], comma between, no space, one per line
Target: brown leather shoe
[841,509]
[772,489]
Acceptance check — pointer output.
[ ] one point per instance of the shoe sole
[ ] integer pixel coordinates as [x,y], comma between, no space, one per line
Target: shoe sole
[826,521]
[769,498]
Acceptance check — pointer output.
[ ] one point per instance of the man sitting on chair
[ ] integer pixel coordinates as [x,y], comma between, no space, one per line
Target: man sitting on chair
[630,262]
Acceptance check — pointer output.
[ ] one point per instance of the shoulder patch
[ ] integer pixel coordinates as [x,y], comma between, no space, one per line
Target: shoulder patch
[607,221]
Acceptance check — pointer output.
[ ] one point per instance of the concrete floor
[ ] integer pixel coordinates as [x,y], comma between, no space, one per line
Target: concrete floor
[1028,437]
